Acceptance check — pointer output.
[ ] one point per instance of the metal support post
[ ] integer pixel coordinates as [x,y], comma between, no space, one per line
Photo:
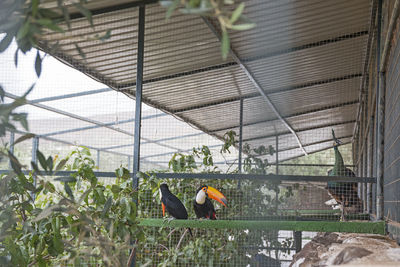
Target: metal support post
[277,154]
[12,139]
[380,104]
[298,240]
[370,164]
[138,113]
[240,138]
[277,169]
[365,173]
[380,148]
[129,163]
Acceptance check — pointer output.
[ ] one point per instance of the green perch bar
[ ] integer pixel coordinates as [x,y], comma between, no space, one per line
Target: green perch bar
[310,226]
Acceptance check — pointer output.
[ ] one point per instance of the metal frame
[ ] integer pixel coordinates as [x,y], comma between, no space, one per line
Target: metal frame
[380,107]
[269,177]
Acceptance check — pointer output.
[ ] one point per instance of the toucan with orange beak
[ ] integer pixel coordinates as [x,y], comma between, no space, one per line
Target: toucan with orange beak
[203,207]
[172,204]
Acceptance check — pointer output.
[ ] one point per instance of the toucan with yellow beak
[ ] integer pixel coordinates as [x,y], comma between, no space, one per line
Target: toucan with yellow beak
[203,207]
[172,204]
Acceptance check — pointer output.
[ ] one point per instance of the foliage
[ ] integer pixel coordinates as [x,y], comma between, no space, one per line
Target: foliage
[221,10]
[68,220]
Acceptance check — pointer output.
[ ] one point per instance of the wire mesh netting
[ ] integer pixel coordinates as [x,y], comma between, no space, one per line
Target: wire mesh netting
[289,91]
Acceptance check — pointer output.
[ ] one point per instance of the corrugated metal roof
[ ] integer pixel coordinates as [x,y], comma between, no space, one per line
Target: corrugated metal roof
[306,55]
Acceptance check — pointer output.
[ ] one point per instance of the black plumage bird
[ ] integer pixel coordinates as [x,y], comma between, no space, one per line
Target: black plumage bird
[172,204]
[203,207]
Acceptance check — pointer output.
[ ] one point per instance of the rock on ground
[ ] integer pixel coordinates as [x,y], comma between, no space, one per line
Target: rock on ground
[348,249]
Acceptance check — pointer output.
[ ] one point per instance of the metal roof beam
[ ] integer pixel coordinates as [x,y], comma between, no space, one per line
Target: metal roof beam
[289,116]
[158,140]
[105,10]
[308,144]
[106,123]
[280,90]
[52,98]
[257,85]
[300,130]
[122,87]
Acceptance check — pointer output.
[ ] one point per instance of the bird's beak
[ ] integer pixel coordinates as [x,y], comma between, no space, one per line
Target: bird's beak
[163,209]
[216,195]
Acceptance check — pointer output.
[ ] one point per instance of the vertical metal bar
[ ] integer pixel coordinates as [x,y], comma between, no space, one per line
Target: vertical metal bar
[129,163]
[35,147]
[12,140]
[277,170]
[370,163]
[277,154]
[365,173]
[138,112]
[380,103]
[138,96]
[297,240]
[98,159]
[240,138]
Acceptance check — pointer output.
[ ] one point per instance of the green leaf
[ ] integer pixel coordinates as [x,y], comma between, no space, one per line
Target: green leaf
[16,57]
[225,44]
[80,51]
[35,167]
[243,27]
[61,164]
[86,12]
[172,6]
[38,64]
[24,137]
[23,31]
[50,24]
[42,159]
[49,163]
[5,42]
[2,93]
[106,36]
[236,14]
[15,165]
[35,5]
[106,206]
[68,190]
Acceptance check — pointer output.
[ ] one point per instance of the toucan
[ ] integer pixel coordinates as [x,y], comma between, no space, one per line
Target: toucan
[172,204]
[203,206]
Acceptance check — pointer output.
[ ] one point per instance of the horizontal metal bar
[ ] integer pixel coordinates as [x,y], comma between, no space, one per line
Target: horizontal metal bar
[157,140]
[310,45]
[67,173]
[122,87]
[290,116]
[59,97]
[300,130]
[270,177]
[269,92]
[106,123]
[105,10]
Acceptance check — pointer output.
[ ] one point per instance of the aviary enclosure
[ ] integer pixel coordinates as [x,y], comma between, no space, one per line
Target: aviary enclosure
[306,100]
